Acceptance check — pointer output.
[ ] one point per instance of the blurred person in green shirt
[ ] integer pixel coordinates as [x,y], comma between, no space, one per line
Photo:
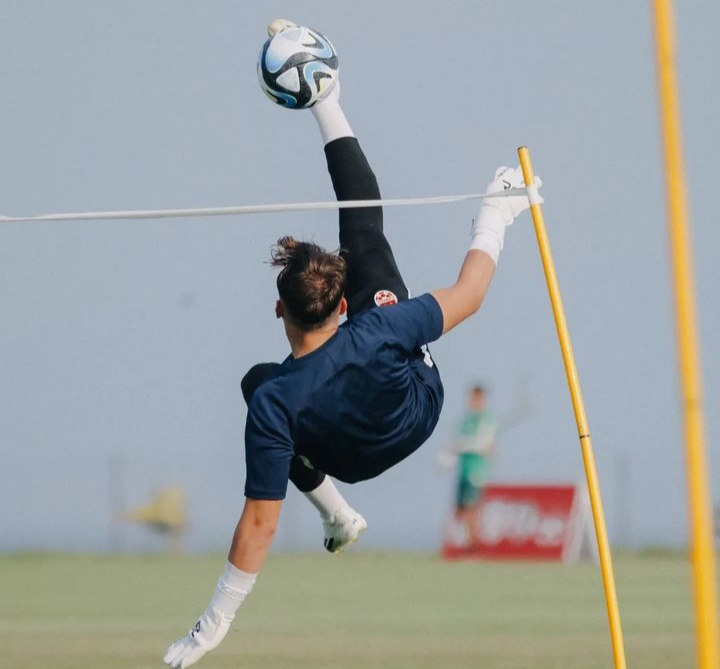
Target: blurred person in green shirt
[471,450]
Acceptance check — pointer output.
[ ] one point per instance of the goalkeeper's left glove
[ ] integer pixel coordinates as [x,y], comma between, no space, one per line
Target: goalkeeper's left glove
[212,626]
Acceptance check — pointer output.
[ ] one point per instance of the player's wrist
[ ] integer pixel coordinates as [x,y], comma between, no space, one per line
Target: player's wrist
[233,587]
[488,230]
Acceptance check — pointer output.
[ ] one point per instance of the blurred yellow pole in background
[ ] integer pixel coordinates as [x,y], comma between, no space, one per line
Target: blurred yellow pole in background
[580,418]
[701,535]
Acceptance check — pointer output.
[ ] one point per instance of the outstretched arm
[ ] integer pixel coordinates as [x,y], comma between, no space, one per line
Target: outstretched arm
[464,297]
[253,535]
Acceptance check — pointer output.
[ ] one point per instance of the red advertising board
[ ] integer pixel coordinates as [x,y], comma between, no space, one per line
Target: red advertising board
[522,522]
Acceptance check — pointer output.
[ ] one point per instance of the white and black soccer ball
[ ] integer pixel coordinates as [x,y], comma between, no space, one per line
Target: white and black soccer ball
[297,67]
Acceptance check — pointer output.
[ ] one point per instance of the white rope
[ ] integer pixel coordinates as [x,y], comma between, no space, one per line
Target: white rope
[256,209]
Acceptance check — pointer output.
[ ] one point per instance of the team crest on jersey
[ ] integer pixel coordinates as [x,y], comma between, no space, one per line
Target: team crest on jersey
[384,298]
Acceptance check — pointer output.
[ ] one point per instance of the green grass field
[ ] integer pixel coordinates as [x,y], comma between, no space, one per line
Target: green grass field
[360,610]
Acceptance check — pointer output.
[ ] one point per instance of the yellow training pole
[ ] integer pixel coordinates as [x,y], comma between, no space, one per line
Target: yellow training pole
[701,535]
[580,418]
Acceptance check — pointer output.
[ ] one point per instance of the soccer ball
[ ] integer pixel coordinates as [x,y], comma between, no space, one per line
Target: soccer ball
[297,67]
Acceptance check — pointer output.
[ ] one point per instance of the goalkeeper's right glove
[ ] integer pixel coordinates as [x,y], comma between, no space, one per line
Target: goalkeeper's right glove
[496,213]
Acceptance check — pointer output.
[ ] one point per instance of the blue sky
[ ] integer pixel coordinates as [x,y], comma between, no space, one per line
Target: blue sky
[128,340]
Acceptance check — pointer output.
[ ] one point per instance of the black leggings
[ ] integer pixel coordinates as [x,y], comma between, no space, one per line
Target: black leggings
[370,262]
[373,277]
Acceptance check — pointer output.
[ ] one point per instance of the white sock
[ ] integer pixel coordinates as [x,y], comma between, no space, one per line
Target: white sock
[330,117]
[326,498]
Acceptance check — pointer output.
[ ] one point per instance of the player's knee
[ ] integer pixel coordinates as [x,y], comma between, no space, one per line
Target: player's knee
[359,185]
[305,479]
[365,187]
[256,376]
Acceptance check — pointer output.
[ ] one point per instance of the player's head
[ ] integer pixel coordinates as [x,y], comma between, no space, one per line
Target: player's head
[476,398]
[311,283]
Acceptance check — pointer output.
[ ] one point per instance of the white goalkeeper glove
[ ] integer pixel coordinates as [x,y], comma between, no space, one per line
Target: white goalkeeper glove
[212,626]
[496,213]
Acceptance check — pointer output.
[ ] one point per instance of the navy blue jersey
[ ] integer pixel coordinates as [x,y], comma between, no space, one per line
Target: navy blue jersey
[352,408]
